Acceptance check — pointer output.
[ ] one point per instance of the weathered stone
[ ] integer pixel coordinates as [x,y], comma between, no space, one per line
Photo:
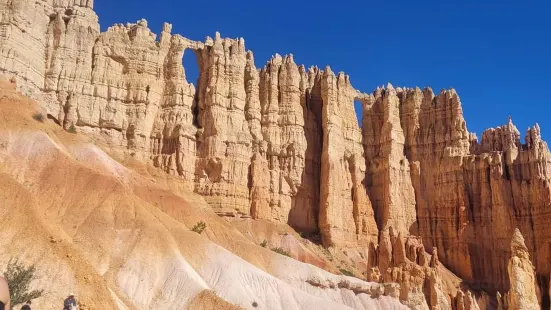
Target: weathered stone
[522,295]
[346,215]
[224,149]
[290,150]
[468,195]
[388,172]
[283,144]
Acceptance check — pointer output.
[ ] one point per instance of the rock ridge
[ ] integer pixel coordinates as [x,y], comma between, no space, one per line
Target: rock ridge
[282,143]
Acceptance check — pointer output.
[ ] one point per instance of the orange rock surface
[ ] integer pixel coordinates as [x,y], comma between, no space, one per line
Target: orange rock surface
[282,144]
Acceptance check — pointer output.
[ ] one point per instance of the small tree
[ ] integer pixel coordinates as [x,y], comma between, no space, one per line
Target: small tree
[264,243]
[72,129]
[19,277]
[199,227]
[281,251]
[346,272]
[38,117]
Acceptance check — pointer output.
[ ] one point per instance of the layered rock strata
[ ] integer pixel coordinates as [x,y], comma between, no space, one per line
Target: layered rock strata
[388,174]
[345,209]
[283,144]
[289,145]
[468,194]
[252,142]
[224,146]
[403,260]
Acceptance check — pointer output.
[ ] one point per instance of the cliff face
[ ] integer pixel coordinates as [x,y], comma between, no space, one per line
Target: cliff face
[288,145]
[121,238]
[388,176]
[469,195]
[282,144]
[345,210]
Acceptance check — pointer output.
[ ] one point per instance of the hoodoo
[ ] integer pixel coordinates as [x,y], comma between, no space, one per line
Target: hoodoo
[268,159]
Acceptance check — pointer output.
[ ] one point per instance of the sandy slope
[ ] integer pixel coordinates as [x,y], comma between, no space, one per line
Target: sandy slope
[120,239]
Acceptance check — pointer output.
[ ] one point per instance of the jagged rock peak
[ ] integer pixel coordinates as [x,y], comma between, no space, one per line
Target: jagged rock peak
[137,30]
[522,294]
[167,27]
[518,247]
[288,59]
[533,135]
[250,56]
[343,80]
[68,3]
[142,23]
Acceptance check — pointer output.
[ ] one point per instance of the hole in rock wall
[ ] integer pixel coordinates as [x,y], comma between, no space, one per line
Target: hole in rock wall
[191,72]
[191,67]
[359,112]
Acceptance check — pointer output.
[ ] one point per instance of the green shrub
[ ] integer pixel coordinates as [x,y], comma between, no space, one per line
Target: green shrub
[281,251]
[72,129]
[38,117]
[346,272]
[19,278]
[264,243]
[255,304]
[199,227]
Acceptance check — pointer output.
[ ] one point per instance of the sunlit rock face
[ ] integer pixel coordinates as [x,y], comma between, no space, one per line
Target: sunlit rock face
[469,195]
[522,294]
[282,143]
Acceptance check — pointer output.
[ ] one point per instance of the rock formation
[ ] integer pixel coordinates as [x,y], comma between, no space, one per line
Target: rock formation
[403,260]
[522,295]
[388,176]
[282,144]
[250,142]
[346,214]
[122,238]
[289,146]
[224,147]
[468,194]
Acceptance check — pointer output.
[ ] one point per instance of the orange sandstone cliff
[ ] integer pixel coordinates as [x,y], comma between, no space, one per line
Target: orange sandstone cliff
[411,197]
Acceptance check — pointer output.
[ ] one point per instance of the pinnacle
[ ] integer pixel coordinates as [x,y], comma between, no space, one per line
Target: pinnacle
[167,27]
[250,56]
[142,22]
[517,242]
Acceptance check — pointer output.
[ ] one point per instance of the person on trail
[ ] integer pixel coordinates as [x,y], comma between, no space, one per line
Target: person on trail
[4,295]
[27,306]
[70,303]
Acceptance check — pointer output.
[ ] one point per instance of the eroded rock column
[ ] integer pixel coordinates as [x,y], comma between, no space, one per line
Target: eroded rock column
[388,169]
[522,295]
[225,142]
[346,214]
[174,136]
[288,155]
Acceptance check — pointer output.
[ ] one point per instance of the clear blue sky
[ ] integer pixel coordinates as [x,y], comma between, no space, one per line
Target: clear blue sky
[497,54]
